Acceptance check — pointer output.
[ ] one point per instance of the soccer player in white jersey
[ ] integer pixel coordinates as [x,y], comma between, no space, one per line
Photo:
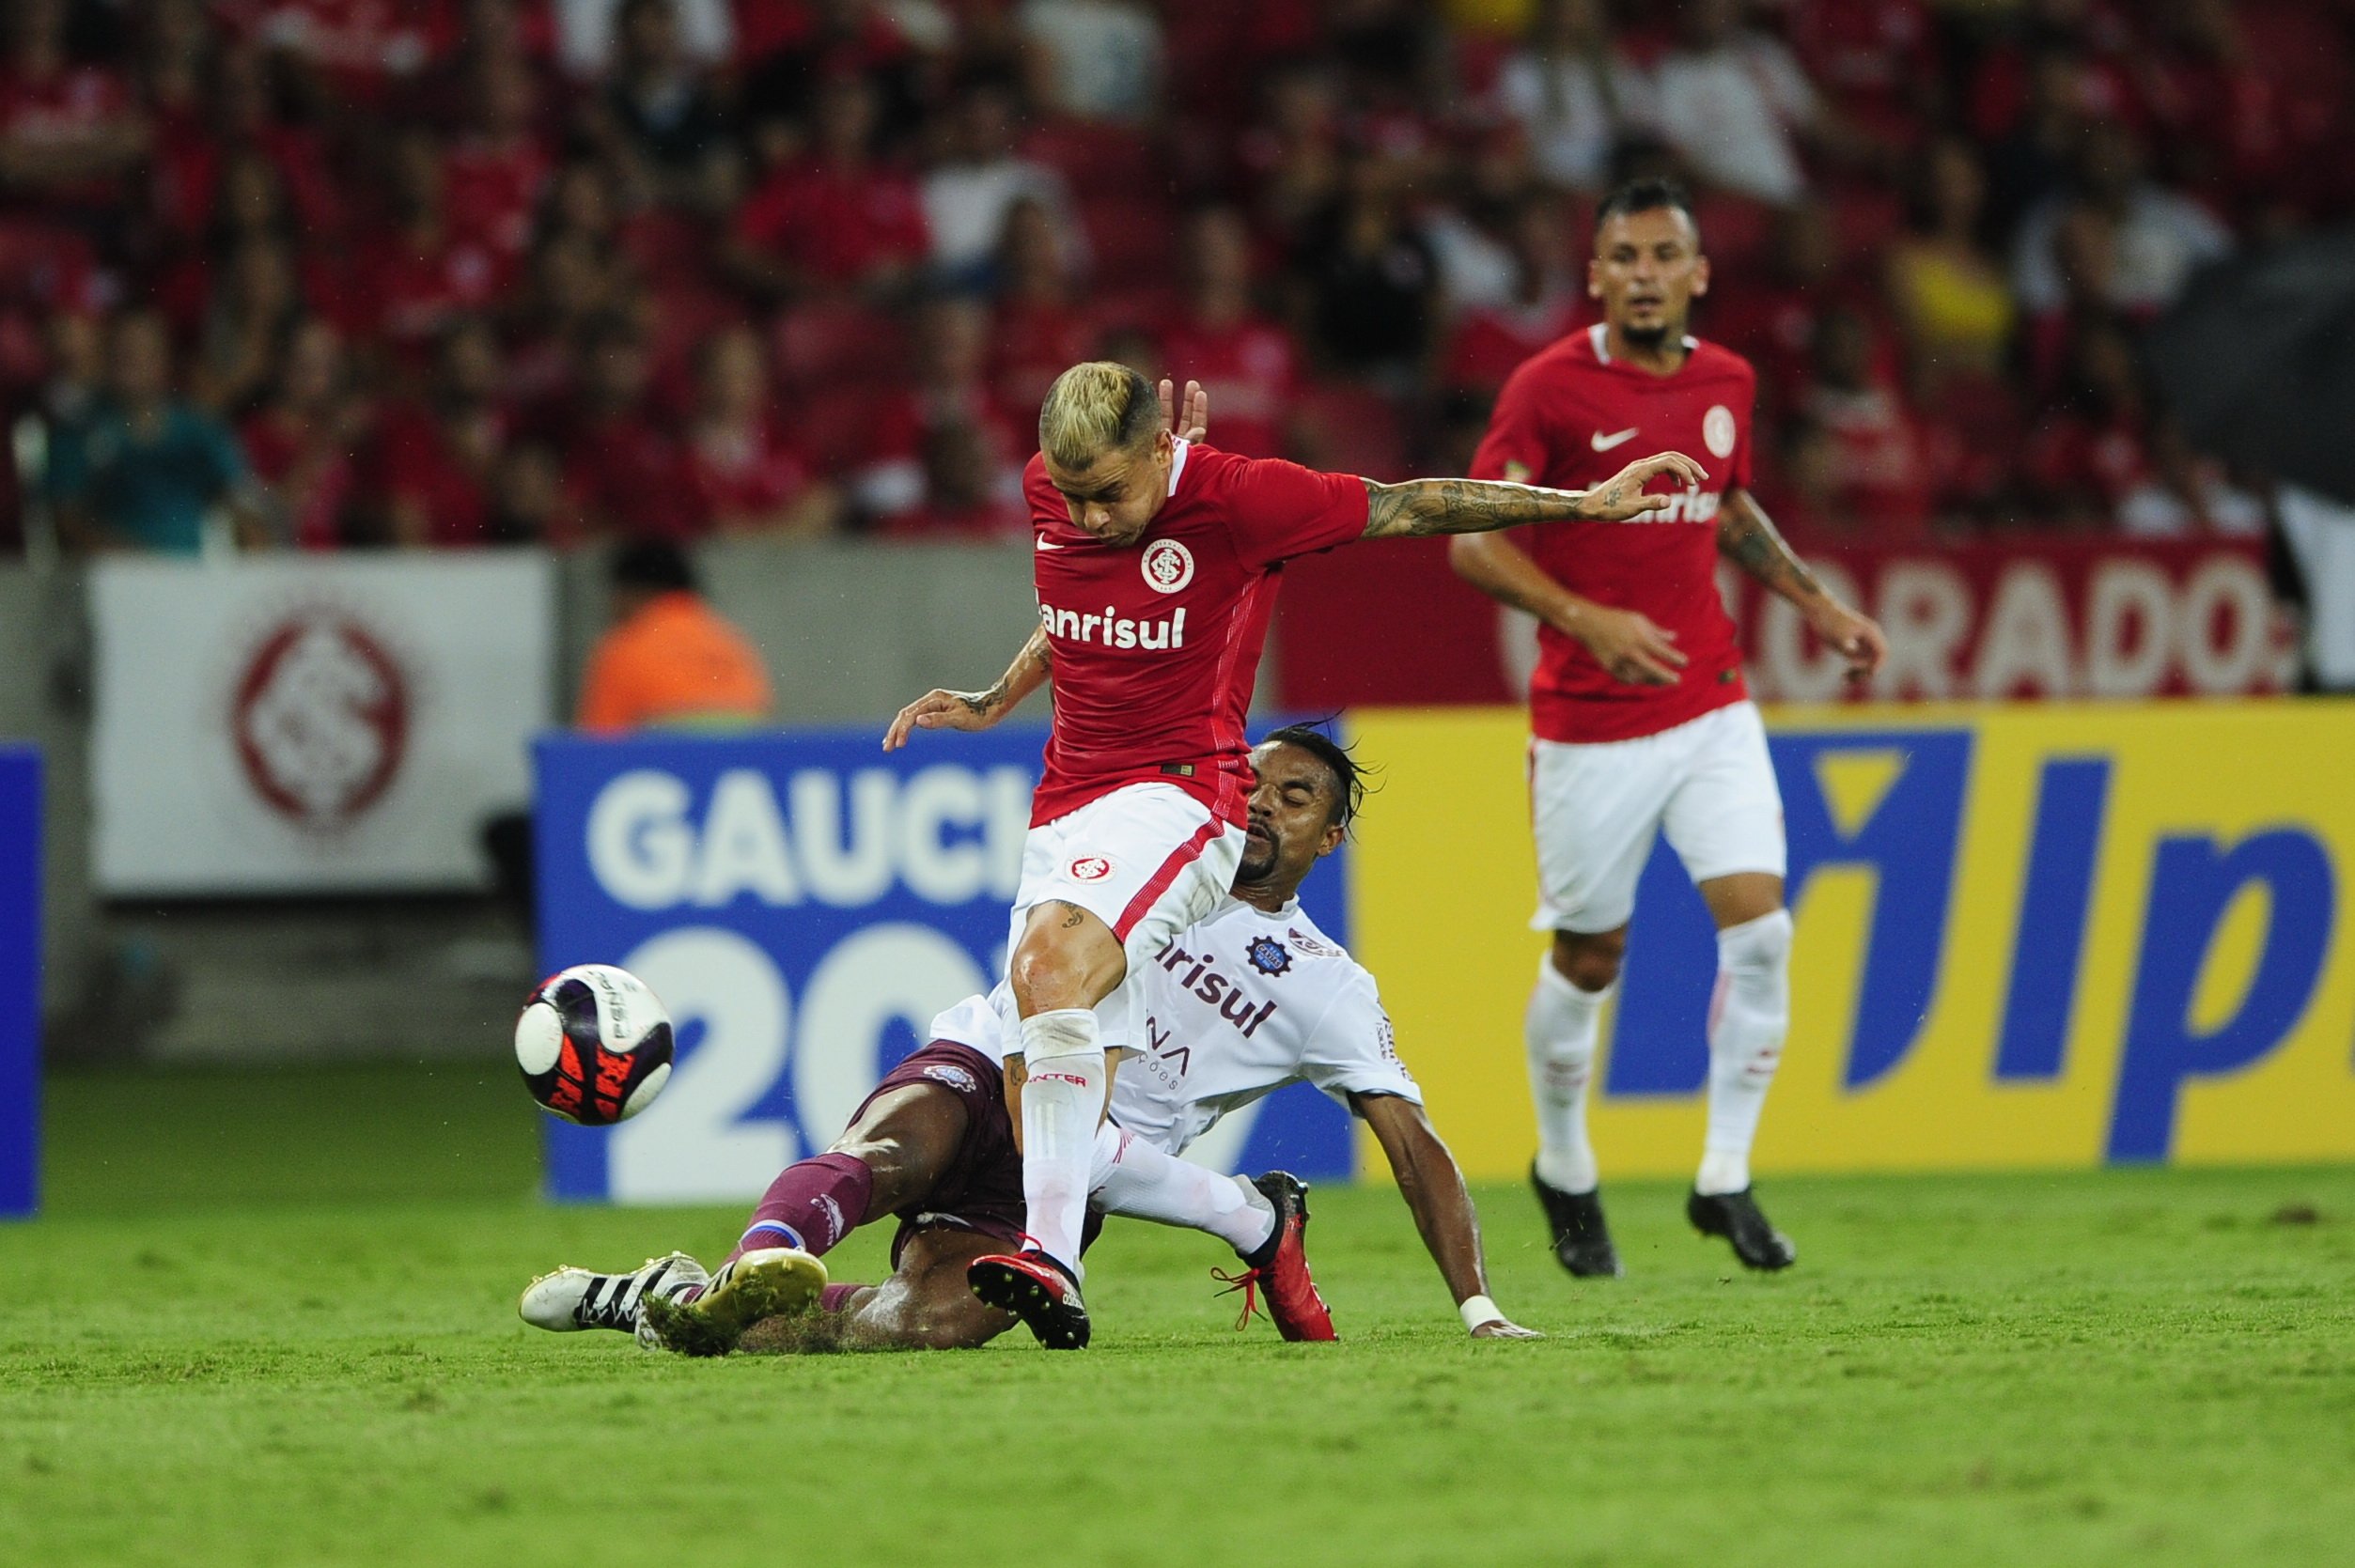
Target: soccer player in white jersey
[1157,564]
[1641,721]
[1251,998]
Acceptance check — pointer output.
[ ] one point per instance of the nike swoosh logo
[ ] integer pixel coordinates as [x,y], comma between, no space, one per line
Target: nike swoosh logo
[1045,543]
[1603,443]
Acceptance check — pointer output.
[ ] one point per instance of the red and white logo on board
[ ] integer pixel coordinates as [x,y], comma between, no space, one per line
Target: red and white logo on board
[321,715]
[1090,868]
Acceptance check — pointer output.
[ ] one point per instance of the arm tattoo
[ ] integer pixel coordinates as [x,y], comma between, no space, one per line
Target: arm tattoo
[1746,538]
[1422,507]
[1036,654]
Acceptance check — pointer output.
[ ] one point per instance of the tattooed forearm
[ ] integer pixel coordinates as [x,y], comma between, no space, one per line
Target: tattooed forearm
[1747,537]
[1421,507]
[1030,668]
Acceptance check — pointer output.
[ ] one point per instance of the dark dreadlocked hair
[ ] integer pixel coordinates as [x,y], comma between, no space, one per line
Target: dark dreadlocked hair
[1349,774]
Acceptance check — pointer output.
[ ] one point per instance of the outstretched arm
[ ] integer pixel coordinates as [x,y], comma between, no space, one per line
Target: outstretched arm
[1433,1187]
[1627,644]
[939,709]
[1421,507]
[1747,537]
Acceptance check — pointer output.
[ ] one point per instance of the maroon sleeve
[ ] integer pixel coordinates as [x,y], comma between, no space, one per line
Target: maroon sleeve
[1515,448]
[1278,510]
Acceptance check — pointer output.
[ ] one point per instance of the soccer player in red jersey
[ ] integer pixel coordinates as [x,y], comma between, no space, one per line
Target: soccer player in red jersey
[1157,566]
[1641,721]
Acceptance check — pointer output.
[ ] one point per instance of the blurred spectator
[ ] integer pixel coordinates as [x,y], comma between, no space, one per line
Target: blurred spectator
[1770,312]
[1951,295]
[256,302]
[300,441]
[1489,343]
[1371,281]
[573,282]
[2186,494]
[416,275]
[527,501]
[149,469]
[838,219]
[1042,326]
[1575,92]
[68,132]
[355,51]
[592,34]
[1096,59]
[951,387]
[498,169]
[1243,359]
[1735,103]
[970,193]
[624,468]
[661,112]
[1291,164]
[1881,489]
[1470,236]
[746,477]
[2088,452]
[1877,60]
[793,50]
[2159,238]
[432,459]
[965,496]
[669,660]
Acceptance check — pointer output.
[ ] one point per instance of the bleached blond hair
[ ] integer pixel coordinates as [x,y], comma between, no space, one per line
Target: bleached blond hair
[1093,408]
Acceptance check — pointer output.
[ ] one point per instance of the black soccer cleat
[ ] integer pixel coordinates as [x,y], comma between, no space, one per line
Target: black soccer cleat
[1037,1289]
[1581,1242]
[1736,1215]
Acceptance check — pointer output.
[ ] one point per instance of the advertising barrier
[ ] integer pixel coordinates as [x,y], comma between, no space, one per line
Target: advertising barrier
[2028,936]
[312,724]
[20,979]
[803,904]
[1990,619]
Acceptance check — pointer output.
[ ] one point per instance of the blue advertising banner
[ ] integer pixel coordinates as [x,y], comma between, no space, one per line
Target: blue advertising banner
[20,979]
[803,904]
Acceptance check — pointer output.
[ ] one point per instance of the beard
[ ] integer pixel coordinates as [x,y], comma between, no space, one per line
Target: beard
[1256,866]
[1646,337]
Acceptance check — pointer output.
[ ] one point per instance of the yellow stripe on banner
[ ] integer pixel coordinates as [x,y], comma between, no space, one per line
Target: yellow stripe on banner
[2144,951]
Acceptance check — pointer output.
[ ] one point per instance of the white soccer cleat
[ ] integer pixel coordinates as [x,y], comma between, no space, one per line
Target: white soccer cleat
[572,1300]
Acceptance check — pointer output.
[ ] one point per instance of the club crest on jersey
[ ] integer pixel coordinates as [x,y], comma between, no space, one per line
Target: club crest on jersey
[952,1075]
[1718,432]
[1168,565]
[1090,868]
[1268,956]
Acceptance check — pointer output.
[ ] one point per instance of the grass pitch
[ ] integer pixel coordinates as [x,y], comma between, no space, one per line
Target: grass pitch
[270,1319]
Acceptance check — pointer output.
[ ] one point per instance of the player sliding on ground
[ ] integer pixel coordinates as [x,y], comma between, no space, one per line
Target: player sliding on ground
[1236,1006]
[1157,563]
[1641,720]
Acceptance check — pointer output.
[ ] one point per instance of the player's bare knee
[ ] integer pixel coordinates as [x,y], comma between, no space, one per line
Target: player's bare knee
[1067,961]
[1590,960]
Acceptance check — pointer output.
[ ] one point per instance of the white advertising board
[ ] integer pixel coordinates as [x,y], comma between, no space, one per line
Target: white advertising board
[297,724]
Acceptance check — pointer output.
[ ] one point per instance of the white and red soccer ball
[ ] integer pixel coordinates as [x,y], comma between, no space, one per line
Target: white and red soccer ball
[594,1045]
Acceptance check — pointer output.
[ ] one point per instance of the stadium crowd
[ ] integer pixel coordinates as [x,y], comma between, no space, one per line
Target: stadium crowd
[346,272]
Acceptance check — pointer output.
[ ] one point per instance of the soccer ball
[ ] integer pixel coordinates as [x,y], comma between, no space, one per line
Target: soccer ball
[594,1045]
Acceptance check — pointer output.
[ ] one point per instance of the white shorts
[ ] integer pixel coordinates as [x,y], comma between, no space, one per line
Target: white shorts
[1149,860]
[1596,808]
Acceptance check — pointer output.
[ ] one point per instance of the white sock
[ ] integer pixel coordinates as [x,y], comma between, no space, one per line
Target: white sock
[1560,1030]
[1142,1182]
[1747,1023]
[1063,1101]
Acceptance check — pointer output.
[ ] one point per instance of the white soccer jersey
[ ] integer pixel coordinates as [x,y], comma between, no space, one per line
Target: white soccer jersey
[1238,1006]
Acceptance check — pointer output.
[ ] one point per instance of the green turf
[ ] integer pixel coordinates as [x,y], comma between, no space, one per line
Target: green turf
[269,1320]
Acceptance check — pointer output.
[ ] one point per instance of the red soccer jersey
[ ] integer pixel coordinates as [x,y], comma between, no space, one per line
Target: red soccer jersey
[1572,417]
[1156,644]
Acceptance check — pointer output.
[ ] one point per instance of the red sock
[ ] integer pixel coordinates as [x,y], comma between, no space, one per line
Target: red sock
[810,1205]
[836,1298]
